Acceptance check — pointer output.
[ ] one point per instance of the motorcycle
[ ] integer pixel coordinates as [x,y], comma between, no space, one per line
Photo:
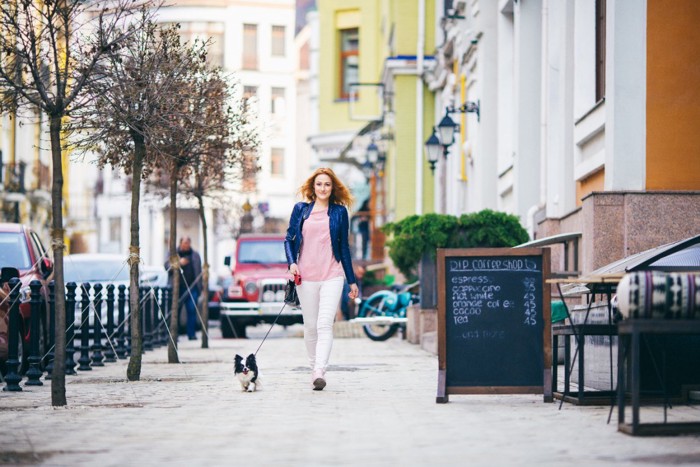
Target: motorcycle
[384,312]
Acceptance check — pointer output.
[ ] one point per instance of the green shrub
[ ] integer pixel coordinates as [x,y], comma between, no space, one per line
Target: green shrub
[415,235]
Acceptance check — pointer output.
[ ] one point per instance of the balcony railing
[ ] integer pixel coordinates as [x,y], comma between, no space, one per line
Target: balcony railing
[12,176]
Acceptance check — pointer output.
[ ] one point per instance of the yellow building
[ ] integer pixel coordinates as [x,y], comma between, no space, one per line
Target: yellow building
[25,172]
[371,58]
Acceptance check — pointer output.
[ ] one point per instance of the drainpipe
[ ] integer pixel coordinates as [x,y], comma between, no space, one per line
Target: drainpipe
[530,227]
[544,107]
[420,46]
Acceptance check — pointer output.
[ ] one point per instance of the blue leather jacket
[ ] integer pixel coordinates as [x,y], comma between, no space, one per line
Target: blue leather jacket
[339,226]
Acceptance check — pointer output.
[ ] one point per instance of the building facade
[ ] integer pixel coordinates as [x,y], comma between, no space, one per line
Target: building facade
[371,94]
[254,42]
[25,171]
[587,117]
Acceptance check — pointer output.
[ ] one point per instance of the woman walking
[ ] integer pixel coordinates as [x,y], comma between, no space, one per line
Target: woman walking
[317,250]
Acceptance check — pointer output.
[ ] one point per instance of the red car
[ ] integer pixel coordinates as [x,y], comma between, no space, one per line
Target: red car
[21,248]
[256,292]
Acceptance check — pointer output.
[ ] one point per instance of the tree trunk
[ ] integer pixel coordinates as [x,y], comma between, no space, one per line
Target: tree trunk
[58,377]
[175,271]
[133,371]
[205,276]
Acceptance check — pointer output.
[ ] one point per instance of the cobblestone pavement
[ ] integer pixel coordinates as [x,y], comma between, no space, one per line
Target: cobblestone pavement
[378,409]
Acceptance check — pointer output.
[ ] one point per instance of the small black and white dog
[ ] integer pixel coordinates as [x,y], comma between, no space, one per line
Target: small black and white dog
[247,373]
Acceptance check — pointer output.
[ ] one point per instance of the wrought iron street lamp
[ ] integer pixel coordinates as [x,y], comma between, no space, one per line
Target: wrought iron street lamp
[444,138]
[432,150]
[367,169]
[446,130]
[372,153]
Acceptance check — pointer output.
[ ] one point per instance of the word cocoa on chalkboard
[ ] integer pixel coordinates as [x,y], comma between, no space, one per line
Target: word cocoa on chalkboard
[493,324]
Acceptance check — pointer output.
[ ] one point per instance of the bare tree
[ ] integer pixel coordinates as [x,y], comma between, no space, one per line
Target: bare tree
[129,109]
[182,129]
[217,160]
[49,51]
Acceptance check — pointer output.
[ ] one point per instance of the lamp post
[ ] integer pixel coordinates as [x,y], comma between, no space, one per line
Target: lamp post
[445,137]
[432,150]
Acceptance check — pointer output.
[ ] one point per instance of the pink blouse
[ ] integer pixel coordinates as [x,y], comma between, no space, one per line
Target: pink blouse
[316,260]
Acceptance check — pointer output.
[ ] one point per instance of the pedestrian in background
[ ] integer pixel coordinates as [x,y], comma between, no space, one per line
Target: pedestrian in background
[362,216]
[317,249]
[190,282]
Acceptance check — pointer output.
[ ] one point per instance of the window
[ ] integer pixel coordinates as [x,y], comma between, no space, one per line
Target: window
[249,95]
[205,31]
[349,60]
[250,46]
[277,101]
[261,251]
[277,162]
[599,49]
[115,229]
[278,41]
[250,169]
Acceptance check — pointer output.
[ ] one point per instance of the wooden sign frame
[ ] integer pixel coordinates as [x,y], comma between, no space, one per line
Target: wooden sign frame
[444,390]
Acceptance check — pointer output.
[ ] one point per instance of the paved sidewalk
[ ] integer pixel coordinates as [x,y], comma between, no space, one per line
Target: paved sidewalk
[378,409]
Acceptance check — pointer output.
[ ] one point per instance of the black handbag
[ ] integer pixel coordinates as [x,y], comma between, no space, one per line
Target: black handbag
[290,294]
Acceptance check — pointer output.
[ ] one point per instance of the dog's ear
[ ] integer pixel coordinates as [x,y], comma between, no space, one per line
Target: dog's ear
[251,363]
[238,358]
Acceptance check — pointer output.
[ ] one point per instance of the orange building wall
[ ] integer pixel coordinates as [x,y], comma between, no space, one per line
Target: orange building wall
[673,95]
[594,182]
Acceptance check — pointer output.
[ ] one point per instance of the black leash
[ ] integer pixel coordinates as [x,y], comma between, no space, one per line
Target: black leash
[273,325]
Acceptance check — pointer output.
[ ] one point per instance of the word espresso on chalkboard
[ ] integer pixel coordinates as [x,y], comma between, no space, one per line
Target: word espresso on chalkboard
[492,331]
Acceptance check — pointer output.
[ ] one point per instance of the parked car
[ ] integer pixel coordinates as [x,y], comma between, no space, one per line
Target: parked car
[95,268]
[153,276]
[22,254]
[256,292]
[157,276]
[215,293]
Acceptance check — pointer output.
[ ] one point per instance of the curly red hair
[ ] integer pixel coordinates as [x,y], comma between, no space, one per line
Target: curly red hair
[339,195]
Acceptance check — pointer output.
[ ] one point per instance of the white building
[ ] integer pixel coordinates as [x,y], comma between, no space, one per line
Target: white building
[254,41]
[581,129]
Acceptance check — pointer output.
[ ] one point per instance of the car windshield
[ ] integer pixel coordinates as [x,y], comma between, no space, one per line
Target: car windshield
[94,270]
[261,251]
[13,251]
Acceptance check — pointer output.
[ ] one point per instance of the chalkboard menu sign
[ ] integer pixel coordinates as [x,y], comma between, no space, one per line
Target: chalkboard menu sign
[493,322]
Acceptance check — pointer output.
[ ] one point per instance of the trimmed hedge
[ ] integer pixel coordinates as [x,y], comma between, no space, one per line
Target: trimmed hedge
[415,235]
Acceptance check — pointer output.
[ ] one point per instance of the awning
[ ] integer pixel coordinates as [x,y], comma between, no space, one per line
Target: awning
[683,255]
[343,157]
[370,127]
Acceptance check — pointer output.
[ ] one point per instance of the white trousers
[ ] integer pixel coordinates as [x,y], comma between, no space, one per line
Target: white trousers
[319,303]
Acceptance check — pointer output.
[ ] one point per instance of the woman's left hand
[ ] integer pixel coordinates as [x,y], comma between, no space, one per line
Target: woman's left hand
[354,291]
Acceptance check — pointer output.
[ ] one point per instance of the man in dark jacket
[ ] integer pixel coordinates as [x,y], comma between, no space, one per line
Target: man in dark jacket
[190,282]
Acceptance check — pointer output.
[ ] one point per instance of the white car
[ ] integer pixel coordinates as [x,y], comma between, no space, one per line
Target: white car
[93,269]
